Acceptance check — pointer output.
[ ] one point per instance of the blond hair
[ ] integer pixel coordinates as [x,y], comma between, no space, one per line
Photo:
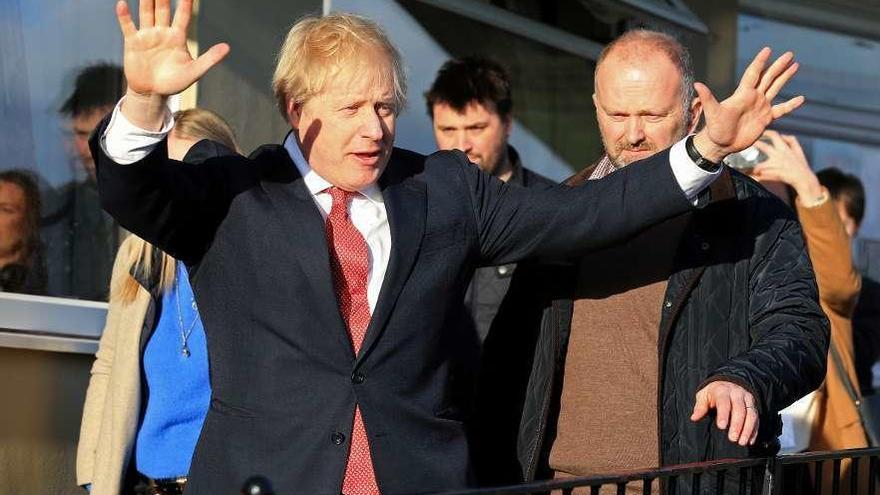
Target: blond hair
[198,123]
[317,48]
[137,258]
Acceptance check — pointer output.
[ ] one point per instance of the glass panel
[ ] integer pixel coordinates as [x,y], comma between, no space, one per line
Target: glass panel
[45,44]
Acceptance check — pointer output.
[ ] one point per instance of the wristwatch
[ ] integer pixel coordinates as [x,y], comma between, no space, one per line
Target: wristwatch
[698,159]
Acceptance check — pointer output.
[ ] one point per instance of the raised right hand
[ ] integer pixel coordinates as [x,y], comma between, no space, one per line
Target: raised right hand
[155,58]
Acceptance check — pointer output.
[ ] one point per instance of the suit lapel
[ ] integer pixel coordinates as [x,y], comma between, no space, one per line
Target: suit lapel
[307,245]
[405,204]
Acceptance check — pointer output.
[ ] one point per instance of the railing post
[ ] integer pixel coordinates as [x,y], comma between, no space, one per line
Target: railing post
[772,477]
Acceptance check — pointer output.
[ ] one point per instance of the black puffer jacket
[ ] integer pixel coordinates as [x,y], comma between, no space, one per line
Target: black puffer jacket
[741,306]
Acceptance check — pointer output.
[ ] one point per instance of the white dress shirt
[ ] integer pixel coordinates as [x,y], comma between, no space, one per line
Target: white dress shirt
[125,143]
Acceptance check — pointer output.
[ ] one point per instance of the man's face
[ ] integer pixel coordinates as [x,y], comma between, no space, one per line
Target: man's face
[82,126]
[478,131]
[639,107]
[12,210]
[347,131]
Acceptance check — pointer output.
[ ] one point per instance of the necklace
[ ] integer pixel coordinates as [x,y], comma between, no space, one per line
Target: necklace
[184,334]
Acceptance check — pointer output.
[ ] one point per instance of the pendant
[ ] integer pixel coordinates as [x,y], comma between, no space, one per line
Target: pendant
[185,351]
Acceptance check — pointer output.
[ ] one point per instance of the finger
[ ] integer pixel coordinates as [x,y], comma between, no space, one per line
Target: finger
[706,97]
[781,81]
[776,139]
[209,59]
[163,13]
[701,408]
[787,107]
[757,427]
[795,145]
[722,410]
[752,74]
[126,25]
[765,148]
[182,15]
[749,426]
[737,417]
[774,70]
[147,15]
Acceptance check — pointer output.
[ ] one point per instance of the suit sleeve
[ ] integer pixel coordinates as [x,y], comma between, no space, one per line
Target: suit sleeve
[788,330]
[174,205]
[517,223]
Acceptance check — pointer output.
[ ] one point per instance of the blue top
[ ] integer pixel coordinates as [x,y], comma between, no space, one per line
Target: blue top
[178,388]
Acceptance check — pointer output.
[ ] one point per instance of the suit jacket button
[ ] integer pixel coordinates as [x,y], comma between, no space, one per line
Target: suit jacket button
[337,438]
[358,378]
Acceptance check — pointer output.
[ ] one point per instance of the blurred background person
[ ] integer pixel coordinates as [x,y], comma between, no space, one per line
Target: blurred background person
[471,107]
[82,239]
[829,227]
[142,438]
[22,266]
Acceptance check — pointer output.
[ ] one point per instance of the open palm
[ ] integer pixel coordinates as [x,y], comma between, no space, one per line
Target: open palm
[737,122]
[156,58]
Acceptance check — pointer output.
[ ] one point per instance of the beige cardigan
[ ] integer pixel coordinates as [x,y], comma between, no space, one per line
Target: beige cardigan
[112,406]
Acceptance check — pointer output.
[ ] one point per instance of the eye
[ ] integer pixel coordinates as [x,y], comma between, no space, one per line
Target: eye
[385,109]
[654,118]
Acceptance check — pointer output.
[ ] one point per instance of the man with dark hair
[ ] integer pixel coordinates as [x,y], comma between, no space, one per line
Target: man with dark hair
[96,90]
[611,361]
[848,195]
[82,239]
[471,106]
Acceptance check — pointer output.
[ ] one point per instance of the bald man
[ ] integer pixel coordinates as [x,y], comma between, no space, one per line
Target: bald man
[715,310]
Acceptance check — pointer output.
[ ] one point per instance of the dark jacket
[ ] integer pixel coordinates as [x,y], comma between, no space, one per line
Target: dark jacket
[489,284]
[284,378]
[741,306]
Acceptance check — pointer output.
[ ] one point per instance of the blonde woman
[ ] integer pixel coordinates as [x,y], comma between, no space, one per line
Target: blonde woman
[149,390]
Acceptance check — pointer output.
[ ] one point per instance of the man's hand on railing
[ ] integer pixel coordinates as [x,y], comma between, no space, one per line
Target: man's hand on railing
[735,410]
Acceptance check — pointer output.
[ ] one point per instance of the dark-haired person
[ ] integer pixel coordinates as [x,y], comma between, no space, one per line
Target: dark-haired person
[83,239]
[471,105]
[828,237]
[848,195]
[21,260]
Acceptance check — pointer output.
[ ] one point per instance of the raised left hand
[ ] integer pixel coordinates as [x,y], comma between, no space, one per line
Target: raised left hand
[735,123]
[735,410]
[786,162]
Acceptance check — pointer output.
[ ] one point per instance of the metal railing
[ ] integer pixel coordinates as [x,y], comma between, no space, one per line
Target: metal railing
[816,473]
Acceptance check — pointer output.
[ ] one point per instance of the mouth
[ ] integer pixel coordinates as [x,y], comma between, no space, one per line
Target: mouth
[368,158]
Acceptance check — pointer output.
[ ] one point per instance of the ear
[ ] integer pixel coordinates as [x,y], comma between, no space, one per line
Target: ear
[294,113]
[696,112]
[507,123]
[595,102]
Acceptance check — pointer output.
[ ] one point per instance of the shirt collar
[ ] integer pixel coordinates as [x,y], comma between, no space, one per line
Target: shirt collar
[314,182]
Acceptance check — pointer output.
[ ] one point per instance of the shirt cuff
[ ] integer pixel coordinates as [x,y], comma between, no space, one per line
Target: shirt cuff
[125,143]
[691,178]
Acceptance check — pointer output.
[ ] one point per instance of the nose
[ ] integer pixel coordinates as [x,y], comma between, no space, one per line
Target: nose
[372,127]
[463,142]
[635,130]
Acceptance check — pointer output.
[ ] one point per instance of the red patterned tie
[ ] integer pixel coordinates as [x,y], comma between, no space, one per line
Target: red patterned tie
[350,264]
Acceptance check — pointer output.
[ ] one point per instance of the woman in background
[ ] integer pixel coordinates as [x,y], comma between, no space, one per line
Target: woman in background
[22,267]
[149,391]
[828,233]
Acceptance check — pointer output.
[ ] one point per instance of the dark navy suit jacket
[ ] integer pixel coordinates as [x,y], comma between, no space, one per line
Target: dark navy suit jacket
[284,376]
